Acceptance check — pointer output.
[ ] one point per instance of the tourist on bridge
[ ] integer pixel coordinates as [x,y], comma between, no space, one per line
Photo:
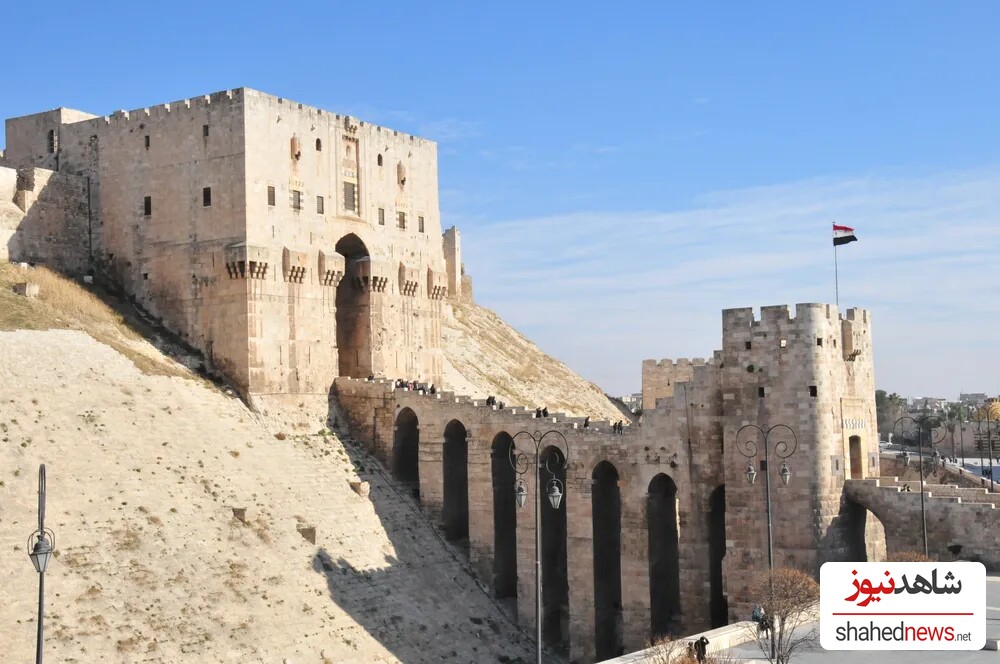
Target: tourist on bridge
[545,411]
[586,422]
[701,649]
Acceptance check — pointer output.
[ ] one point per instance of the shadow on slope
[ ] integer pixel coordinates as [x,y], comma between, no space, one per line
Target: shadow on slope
[442,613]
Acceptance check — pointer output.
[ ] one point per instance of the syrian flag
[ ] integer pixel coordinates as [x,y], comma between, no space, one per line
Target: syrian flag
[843,235]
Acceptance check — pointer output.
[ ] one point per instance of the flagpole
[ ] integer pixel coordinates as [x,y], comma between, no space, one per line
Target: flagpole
[836,277]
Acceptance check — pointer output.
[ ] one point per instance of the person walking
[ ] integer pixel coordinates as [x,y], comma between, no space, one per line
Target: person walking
[586,422]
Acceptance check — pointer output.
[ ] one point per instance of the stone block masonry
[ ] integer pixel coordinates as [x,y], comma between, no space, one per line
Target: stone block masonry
[289,244]
[659,531]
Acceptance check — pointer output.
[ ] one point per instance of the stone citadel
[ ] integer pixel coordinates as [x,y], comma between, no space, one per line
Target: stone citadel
[302,251]
[288,244]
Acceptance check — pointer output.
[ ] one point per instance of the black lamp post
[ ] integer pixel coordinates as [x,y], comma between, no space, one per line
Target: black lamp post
[921,422]
[983,416]
[782,449]
[554,490]
[40,555]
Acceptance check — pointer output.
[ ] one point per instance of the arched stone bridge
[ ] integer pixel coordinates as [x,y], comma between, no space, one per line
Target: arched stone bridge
[643,510]
[962,523]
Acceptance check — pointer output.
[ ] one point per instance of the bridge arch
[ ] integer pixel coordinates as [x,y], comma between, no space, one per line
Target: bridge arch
[718,603]
[406,450]
[504,517]
[456,482]
[664,555]
[607,525]
[555,579]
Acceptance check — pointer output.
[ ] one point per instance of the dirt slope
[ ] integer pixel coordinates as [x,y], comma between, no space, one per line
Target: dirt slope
[145,468]
[486,356]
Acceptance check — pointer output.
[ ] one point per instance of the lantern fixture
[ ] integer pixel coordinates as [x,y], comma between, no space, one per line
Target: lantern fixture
[751,473]
[555,494]
[520,494]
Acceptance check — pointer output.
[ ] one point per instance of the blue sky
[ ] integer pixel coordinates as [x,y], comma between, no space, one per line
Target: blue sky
[623,171]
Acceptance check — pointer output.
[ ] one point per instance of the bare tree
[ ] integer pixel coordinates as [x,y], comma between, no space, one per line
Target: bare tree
[908,557]
[789,599]
[666,650]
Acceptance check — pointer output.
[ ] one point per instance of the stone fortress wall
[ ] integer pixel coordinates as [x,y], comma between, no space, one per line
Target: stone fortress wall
[289,244]
[661,532]
[294,246]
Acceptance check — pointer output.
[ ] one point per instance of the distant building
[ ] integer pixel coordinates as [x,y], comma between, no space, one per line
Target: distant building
[974,399]
[928,404]
[632,401]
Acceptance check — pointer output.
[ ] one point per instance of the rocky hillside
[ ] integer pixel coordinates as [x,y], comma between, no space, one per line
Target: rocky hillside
[486,356]
[190,529]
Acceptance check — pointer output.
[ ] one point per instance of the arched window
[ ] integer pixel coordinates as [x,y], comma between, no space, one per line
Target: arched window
[319,145]
[380,160]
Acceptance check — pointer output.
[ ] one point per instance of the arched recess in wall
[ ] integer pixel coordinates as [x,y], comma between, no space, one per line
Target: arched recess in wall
[456,482]
[504,518]
[555,580]
[406,450]
[607,532]
[354,336]
[718,604]
[664,557]
[864,531]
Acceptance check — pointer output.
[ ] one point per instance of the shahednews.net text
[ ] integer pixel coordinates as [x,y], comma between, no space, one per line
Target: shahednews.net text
[901,632]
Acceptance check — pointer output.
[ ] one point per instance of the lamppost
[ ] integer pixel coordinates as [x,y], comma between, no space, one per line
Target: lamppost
[984,415]
[782,449]
[40,555]
[554,490]
[921,422]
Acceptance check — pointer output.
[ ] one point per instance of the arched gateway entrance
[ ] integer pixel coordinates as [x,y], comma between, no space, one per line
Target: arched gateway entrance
[353,301]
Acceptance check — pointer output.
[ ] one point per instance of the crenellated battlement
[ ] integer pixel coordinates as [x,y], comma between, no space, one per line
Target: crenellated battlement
[348,122]
[159,111]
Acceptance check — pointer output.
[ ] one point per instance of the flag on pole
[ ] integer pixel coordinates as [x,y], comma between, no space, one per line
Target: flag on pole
[843,235]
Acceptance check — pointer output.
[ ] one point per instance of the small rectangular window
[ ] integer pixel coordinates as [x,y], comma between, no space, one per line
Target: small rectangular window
[204,131]
[147,205]
[401,219]
[296,199]
[381,216]
[52,141]
[813,391]
[420,224]
[350,196]
[206,197]
[270,196]
[147,141]
[319,205]
[760,392]
[819,341]
[783,343]
[747,345]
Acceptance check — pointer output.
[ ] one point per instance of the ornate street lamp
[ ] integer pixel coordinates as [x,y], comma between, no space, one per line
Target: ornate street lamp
[554,491]
[782,449]
[921,422]
[41,554]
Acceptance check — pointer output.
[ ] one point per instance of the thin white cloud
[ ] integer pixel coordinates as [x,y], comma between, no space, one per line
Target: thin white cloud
[604,290]
[449,130]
